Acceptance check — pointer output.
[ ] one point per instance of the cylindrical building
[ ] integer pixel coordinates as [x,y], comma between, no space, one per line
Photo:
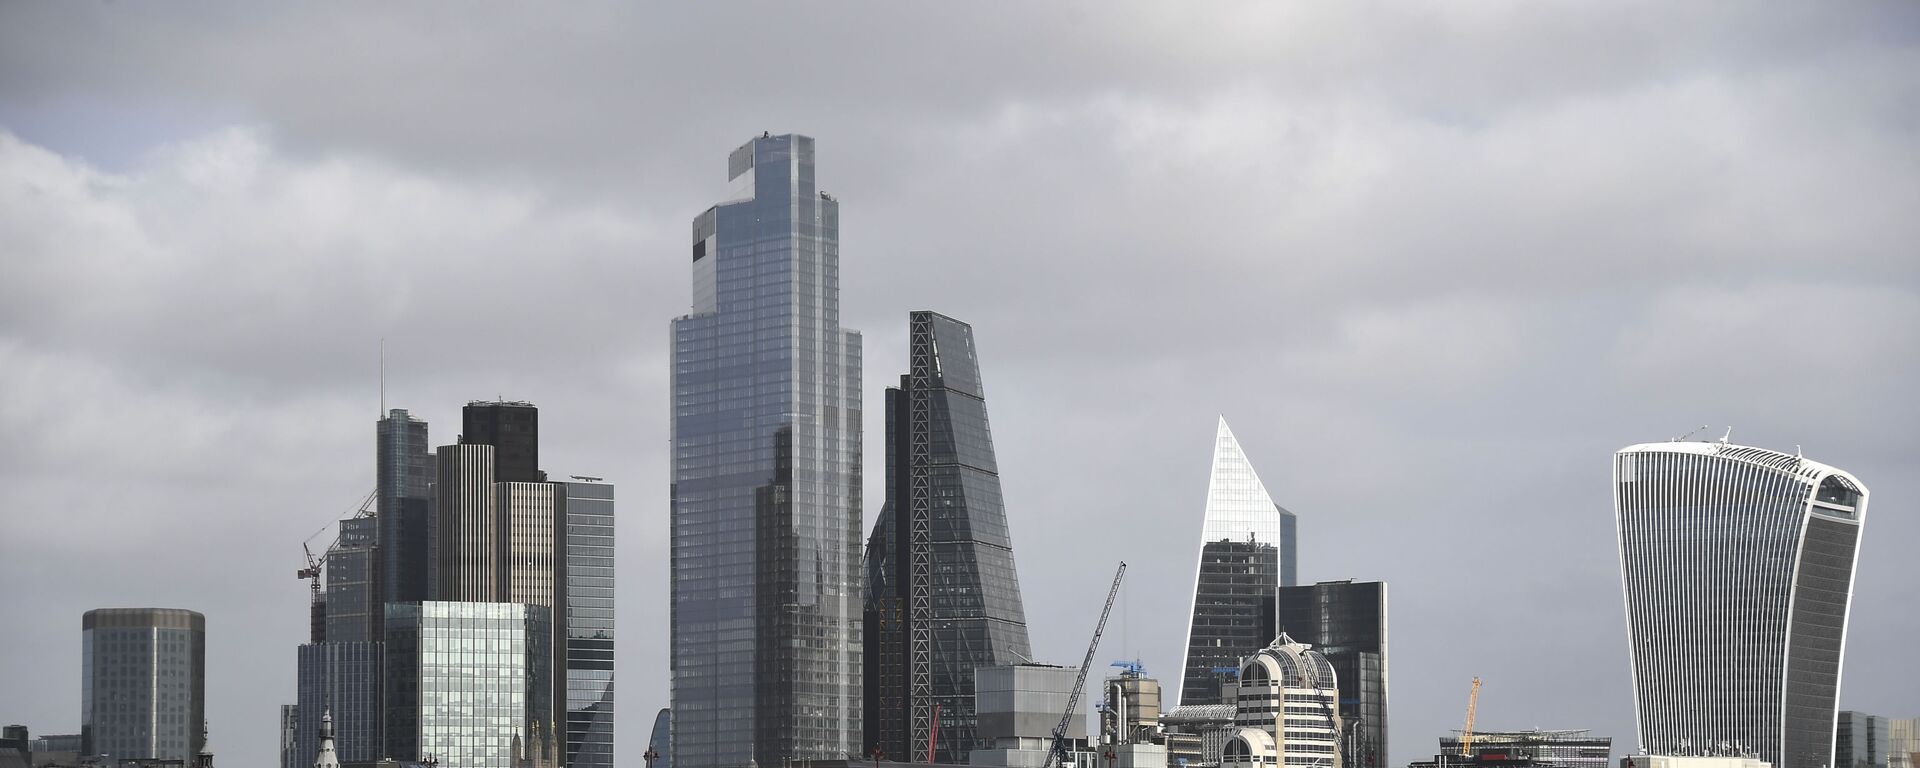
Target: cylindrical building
[143,683]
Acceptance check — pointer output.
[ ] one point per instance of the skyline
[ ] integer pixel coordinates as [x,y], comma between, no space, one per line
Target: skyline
[1401,302]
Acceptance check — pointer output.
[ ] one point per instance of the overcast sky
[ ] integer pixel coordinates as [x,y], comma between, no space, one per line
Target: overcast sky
[1434,263]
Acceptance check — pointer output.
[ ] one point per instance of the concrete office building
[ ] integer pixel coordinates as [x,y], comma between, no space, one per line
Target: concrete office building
[766,493]
[142,683]
[1346,622]
[1285,709]
[943,597]
[470,684]
[1018,707]
[1737,565]
[1246,554]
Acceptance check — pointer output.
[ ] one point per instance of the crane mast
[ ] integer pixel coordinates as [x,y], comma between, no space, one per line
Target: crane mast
[1058,754]
[1466,736]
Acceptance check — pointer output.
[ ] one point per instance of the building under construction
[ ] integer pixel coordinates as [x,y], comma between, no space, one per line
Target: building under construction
[1523,749]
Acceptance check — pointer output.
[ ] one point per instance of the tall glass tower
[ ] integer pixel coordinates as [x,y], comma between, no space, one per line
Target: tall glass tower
[765,514]
[1246,555]
[143,683]
[1737,564]
[943,596]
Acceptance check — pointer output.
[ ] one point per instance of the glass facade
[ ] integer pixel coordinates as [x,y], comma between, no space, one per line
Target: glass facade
[513,429]
[659,743]
[1861,741]
[589,627]
[143,683]
[1737,567]
[470,684]
[766,636]
[353,583]
[943,594]
[1246,555]
[342,678]
[1545,749]
[1347,623]
[404,476]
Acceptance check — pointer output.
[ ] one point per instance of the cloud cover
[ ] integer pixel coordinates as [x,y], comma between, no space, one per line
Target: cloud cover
[1433,264]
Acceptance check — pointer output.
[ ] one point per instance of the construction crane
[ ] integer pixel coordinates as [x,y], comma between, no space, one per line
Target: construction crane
[1058,754]
[315,564]
[1466,736]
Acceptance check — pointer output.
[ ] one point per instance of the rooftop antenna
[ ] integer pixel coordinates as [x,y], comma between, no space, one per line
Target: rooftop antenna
[1729,434]
[383,378]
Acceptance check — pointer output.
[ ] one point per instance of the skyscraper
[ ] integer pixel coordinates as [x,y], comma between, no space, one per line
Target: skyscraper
[1347,623]
[943,595]
[588,509]
[1737,565]
[513,429]
[766,589]
[1246,554]
[466,529]
[404,477]
[143,685]
[353,583]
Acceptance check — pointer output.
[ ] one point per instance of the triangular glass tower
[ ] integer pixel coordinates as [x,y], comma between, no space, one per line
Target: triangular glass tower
[1246,554]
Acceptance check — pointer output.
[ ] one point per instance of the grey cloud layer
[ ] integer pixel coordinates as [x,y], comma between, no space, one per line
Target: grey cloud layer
[1432,264]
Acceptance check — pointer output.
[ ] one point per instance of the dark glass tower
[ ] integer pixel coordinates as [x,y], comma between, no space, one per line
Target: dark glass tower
[1347,623]
[1246,555]
[513,429]
[766,477]
[587,508]
[404,474]
[943,595]
[1737,565]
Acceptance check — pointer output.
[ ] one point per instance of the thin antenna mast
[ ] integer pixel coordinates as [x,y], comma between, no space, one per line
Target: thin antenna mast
[383,378]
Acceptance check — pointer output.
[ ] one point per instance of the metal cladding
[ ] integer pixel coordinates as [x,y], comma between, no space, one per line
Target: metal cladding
[1737,566]
[1246,553]
[943,597]
[765,505]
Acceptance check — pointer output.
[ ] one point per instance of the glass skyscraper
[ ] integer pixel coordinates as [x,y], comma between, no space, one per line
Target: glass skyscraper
[470,684]
[1246,554]
[766,593]
[404,477]
[1737,565]
[1346,622]
[588,509]
[143,685]
[943,595]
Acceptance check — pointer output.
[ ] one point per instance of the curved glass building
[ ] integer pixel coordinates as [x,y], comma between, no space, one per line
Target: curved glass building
[1737,565]
[1246,555]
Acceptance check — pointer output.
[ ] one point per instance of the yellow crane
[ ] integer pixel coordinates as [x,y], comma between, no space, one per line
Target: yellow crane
[1466,736]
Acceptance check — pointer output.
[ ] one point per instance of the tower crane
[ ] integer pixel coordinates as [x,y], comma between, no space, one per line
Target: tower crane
[1466,736]
[1058,754]
[314,564]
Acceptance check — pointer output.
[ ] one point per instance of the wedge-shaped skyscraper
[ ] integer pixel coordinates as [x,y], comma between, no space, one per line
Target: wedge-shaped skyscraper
[766,477]
[1737,564]
[1246,555]
[942,595]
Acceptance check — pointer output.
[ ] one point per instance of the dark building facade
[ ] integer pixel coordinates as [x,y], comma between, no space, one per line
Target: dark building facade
[404,472]
[587,508]
[1246,554]
[943,597]
[354,607]
[342,678]
[143,685]
[513,429]
[765,500]
[1347,623]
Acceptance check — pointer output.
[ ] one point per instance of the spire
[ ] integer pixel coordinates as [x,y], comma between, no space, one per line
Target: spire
[326,758]
[205,758]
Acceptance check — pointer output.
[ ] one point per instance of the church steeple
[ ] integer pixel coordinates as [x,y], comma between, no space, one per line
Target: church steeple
[205,758]
[326,758]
